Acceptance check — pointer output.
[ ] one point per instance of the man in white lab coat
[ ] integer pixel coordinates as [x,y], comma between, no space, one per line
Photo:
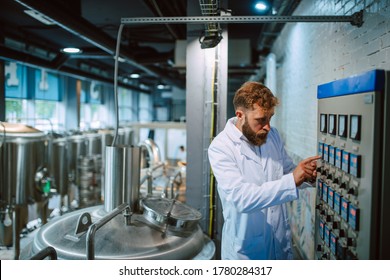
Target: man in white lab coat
[255,179]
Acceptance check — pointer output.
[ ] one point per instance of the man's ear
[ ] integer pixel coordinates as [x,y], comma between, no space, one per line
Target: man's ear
[239,114]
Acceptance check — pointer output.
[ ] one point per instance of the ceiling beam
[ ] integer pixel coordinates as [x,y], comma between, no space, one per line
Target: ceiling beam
[91,34]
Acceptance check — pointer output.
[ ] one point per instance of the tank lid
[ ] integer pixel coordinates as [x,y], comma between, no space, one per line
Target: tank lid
[17,128]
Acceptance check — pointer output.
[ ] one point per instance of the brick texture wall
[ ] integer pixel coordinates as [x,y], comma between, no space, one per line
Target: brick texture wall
[309,54]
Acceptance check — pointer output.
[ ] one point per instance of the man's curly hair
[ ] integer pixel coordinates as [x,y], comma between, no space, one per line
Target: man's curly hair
[251,93]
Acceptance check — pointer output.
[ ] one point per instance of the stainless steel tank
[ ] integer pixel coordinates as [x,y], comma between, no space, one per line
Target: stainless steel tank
[158,228]
[23,156]
[22,153]
[77,147]
[94,143]
[58,156]
[116,240]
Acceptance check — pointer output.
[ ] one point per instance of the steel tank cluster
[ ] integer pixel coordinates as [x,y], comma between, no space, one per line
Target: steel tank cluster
[108,206]
[35,166]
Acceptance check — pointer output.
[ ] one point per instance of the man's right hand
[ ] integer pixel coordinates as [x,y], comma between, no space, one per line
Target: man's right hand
[306,170]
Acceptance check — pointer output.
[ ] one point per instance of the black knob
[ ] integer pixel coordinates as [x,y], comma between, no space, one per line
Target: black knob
[336,225]
[352,191]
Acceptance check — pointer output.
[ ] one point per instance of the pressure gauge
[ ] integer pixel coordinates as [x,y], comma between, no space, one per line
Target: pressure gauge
[332,124]
[355,127]
[323,126]
[343,126]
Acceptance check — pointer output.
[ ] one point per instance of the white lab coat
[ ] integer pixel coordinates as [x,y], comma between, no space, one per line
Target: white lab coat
[253,190]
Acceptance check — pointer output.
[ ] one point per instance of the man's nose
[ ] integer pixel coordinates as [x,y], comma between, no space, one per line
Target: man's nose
[267,126]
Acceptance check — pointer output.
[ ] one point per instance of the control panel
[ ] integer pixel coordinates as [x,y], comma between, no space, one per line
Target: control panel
[348,189]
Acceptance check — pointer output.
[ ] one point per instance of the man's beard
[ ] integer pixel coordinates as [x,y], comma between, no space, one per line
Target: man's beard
[256,139]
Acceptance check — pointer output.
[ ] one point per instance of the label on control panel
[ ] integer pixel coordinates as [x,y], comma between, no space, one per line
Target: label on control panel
[325,192]
[331,196]
[327,232]
[321,228]
[354,166]
[326,152]
[345,161]
[319,188]
[337,202]
[332,154]
[353,217]
[338,157]
[333,243]
[321,149]
[344,208]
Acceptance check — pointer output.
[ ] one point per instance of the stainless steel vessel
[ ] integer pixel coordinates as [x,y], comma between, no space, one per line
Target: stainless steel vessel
[77,147]
[22,153]
[156,228]
[24,187]
[116,240]
[58,156]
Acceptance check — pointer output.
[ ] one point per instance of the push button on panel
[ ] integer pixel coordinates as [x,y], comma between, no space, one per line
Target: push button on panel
[332,155]
[331,197]
[353,217]
[345,161]
[344,208]
[355,165]
[337,203]
[338,157]
[321,149]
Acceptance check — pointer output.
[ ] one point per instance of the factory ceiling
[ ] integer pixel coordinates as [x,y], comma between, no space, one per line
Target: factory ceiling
[147,49]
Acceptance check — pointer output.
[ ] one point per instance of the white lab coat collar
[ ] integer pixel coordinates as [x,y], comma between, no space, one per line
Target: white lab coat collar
[246,148]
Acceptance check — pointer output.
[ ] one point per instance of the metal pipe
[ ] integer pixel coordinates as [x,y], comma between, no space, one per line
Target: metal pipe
[90,239]
[46,252]
[172,181]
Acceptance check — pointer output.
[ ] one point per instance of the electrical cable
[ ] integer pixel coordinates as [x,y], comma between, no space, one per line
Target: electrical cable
[214,91]
[118,43]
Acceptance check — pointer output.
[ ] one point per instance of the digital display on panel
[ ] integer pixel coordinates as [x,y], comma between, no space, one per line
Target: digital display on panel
[323,123]
[355,131]
[332,124]
[343,126]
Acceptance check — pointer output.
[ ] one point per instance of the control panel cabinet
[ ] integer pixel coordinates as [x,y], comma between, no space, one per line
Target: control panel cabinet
[352,219]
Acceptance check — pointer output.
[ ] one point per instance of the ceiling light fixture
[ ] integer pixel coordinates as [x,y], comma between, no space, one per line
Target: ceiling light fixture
[135,76]
[261,6]
[71,50]
[39,17]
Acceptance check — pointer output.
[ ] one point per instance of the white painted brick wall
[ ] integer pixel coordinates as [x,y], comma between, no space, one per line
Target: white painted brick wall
[309,54]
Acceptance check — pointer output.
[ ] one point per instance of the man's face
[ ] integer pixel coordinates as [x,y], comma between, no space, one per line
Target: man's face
[256,125]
